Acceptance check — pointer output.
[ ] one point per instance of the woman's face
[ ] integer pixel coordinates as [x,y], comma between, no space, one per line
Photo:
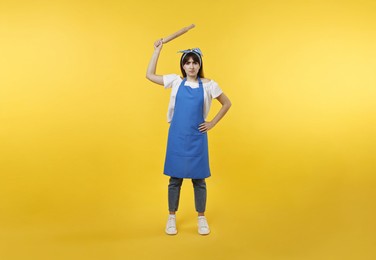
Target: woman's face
[191,67]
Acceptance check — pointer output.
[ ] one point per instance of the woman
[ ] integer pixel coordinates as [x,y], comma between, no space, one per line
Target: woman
[187,147]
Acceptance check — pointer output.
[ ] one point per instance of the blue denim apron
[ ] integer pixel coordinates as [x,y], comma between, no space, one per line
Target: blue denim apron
[187,148]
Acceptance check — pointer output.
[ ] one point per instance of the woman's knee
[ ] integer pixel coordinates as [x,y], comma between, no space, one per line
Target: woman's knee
[177,182]
[199,183]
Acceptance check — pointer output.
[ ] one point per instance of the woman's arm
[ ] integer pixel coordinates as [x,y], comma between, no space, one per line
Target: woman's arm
[150,72]
[226,104]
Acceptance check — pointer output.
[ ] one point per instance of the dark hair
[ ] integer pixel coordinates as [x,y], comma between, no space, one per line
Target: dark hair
[195,58]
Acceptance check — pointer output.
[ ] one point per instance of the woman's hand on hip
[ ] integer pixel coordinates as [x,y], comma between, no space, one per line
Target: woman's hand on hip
[206,126]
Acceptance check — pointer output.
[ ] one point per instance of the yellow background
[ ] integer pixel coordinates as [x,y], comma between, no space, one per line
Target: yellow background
[83,133]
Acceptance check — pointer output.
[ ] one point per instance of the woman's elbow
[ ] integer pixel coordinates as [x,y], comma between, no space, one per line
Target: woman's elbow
[150,77]
[228,104]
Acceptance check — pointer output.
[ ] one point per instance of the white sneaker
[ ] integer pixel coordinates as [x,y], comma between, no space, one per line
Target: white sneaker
[203,227]
[171,225]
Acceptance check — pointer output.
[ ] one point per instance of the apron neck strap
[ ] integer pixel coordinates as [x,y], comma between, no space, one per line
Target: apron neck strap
[199,82]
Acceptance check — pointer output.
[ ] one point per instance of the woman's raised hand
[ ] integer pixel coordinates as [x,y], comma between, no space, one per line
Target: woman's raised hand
[158,44]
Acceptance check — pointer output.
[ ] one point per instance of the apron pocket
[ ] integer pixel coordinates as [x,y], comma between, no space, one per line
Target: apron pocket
[194,145]
[175,144]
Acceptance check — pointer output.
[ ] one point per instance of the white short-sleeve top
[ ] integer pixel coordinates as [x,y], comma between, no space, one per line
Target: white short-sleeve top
[173,81]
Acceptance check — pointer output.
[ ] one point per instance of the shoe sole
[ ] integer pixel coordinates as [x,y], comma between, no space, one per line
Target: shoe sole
[204,234]
[171,234]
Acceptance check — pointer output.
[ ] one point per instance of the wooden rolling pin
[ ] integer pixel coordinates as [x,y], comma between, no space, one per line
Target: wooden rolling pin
[177,34]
